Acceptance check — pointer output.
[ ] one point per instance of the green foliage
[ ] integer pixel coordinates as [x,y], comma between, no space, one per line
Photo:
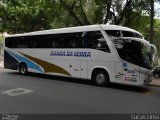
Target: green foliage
[157,35]
[1,38]
[1,42]
[19,16]
[25,16]
[28,15]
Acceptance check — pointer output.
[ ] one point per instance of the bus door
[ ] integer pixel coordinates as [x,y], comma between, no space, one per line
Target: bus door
[130,74]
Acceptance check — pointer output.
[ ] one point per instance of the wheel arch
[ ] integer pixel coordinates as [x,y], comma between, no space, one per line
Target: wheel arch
[20,63]
[101,68]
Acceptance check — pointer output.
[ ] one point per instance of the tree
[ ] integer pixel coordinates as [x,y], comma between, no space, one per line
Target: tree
[152,21]
[24,16]
[71,7]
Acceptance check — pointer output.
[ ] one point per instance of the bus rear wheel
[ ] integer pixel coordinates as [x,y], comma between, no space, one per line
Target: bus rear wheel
[23,70]
[101,78]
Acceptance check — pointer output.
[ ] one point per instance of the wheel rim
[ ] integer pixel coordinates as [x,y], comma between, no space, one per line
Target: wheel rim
[23,69]
[100,78]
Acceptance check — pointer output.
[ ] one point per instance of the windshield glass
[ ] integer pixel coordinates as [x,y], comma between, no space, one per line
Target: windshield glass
[134,52]
[122,33]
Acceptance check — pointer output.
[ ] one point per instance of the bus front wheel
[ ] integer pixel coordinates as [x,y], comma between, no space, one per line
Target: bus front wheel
[23,70]
[100,78]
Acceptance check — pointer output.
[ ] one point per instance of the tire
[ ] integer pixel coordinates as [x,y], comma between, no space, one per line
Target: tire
[101,78]
[23,70]
[156,75]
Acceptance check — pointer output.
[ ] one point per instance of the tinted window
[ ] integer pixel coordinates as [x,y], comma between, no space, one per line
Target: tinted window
[133,51]
[29,41]
[113,33]
[118,33]
[39,41]
[10,42]
[72,40]
[67,40]
[19,42]
[130,34]
[138,36]
[94,40]
[46,41]
[127,34]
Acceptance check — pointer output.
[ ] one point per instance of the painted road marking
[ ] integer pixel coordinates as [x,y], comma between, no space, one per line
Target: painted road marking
[17,92]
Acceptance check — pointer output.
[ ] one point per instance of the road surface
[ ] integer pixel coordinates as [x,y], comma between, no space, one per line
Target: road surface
[52,95]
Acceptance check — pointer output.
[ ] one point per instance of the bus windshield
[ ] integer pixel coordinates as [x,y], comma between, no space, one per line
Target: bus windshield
[134,51]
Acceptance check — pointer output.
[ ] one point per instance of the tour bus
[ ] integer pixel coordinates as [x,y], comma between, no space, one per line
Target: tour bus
[101,53]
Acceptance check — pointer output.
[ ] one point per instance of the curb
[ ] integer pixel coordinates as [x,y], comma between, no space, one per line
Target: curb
[155,83]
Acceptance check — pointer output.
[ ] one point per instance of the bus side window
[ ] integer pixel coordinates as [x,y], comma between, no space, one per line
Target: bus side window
[11,42]
[71,40]
[113,33]
[53,44]
[127,34]
[76,38]
[95,40]
[40,41]
[85,39]
[8,42]
[31,42]
[22,42]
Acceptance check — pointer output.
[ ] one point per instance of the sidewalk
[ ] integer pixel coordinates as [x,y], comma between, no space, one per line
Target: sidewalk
[1,62]
[155,82]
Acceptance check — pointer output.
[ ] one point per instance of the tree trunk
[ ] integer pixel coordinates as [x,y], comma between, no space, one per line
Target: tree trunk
[71,12]
[121,17]
[108,14]
[86,21]
[152,21]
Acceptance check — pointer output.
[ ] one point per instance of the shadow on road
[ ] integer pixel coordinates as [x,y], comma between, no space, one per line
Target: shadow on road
[140,89]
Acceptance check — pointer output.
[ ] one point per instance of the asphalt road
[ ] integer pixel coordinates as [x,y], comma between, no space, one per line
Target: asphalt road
[51,94]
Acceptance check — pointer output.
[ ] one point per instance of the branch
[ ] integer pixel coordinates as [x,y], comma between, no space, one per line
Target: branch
[128,3]
[108,11]
[70,10]
[84,14]
[114,16]
[14,4]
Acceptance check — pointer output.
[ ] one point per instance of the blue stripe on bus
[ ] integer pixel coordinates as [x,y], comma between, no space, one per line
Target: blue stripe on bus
[29,63]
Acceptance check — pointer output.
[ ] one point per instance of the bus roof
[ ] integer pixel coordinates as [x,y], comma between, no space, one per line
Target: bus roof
[77,29]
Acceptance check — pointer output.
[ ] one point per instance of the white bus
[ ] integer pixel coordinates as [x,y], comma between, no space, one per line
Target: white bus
[102,53]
